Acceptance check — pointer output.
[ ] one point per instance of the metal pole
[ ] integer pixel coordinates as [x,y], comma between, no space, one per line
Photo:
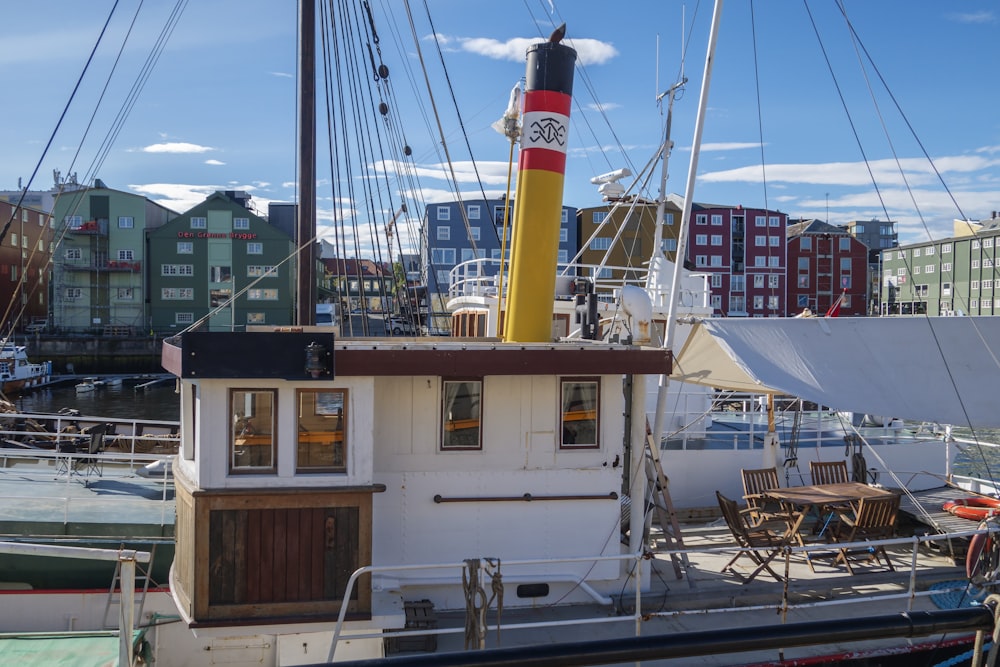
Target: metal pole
[305,229]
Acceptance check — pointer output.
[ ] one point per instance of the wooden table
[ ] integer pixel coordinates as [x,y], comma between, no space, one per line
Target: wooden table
[805,498]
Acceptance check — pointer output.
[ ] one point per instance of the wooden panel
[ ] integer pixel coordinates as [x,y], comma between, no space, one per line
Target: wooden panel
[252,577]
[279,546]
[316,557]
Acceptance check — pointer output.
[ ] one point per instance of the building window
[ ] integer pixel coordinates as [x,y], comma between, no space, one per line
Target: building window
[443,256]
[185,248]
[579,415]
[760,221]
[701,219]
[220,274]
[803,263]
[717,301]
[987,263]
[760,261]
[74,254]
[443,233]
[669,245]
[716,280]
[974,285]
[773,281]
[975,245]
[474,233]
[73,221]
[701,260]
[737,284]
[929,268]
[717,239]
[929,251]
[916,252]
[461,414]
[845,282]
[443,213]
[125,256]
[987,243]
[802,301]
[758,302]
[443,278]
[563,216]
[774,241]
[199,223]
[321,445]
[945,289]
[973,303]
[125,222]
[946,248]
[125,294]
[774,221]
[600,243]
[701,239]
[900,254]
[563,235]
[241,223]
[975,264]
[987,284]
[774,261]
[183,318]
[261,294]
[597,217]
[716,220]
[253,443]
[563,256]
[255,248]
[668,218]
[177,269]
[177,293]
[946,266]
[715,260]
[258,271]
[803,281]
[760,241]
[758,281]
[473,211]
[737,304]
[845,264]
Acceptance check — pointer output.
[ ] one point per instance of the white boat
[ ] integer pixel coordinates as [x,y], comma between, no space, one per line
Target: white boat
[341,499]
[17,373]
[89,384]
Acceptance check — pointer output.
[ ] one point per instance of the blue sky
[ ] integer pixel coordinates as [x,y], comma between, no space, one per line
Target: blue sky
[218,109]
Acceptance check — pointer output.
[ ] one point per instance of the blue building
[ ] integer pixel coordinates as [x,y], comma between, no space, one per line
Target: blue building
[450,238]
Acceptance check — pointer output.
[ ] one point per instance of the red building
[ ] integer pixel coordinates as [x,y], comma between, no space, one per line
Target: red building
[825,262]
[743,249]
[25,254]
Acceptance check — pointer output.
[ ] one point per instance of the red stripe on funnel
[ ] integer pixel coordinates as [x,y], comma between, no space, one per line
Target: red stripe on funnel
[542,159]
[547,100]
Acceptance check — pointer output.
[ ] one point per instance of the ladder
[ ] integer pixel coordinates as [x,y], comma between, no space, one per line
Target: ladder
[792,448]
[666,515]
[113,603]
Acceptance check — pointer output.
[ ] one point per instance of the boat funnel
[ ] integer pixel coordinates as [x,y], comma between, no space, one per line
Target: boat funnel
[639,310]
[538,197]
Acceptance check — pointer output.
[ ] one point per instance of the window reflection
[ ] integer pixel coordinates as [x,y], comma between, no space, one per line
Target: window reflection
[579,413]
[461,414]
[252,430]
[321,442]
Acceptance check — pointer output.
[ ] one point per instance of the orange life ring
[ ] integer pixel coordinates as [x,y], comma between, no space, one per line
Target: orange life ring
[974,509]
[979,543]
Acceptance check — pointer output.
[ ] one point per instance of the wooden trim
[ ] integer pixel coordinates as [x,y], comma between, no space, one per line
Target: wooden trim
[438,499]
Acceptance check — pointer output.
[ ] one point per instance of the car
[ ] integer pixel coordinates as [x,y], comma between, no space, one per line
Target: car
[400,326]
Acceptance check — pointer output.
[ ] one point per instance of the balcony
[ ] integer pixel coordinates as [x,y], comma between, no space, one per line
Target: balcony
[89,228]
[111,266]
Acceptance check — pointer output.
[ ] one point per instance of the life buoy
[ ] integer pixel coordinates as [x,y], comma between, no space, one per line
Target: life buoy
[978,544]
[974,509]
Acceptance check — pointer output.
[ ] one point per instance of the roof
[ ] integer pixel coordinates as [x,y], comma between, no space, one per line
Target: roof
[813,226]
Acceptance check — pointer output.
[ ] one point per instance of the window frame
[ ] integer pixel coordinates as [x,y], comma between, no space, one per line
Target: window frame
[322,412]
[563,430]
[443,446]
[235,423]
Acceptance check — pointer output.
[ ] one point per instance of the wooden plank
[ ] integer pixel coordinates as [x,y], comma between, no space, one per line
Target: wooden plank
[240,556]
[252,573]
[266,561]
[330,520]
[293,555]
[280,563]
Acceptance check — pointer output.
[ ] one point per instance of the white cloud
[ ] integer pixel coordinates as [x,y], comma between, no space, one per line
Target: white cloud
[283,75]
[588,51]
[609,106]
[983,16]
[215,163]
[176,147]
[727,146]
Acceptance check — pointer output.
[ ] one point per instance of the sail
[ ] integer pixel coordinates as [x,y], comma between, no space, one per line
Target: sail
[941,369]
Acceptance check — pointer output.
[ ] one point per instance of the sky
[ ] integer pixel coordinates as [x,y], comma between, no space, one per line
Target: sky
[800,118]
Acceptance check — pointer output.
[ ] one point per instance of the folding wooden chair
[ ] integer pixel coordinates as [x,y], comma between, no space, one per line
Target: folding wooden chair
[875,520]
[761,545]
[762,511]
[829,472]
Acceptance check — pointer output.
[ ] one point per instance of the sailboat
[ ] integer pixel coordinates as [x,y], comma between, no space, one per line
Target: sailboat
[340,499]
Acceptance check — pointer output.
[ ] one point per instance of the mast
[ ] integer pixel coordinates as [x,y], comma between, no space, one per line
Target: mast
[682,231]
[305,310]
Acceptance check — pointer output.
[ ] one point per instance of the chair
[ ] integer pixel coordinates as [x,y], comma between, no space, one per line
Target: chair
[875,520]
[829,472]
[761,545]
[91,462]
[755,482]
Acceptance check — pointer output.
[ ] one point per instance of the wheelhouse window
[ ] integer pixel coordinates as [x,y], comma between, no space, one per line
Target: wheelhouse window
[578,416]
[461,415]
[321,442]
[253,446]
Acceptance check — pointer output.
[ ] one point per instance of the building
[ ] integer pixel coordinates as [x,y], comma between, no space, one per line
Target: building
[457,232]
[25,276]
[99,268]
[877,235]
[951,276]
[743,250]
[220,263]
[826,265]
[619,235]
[358,284]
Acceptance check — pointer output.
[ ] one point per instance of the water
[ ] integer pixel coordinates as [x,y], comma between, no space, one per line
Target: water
[156,403]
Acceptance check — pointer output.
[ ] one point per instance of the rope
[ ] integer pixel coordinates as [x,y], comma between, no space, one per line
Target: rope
[475,609]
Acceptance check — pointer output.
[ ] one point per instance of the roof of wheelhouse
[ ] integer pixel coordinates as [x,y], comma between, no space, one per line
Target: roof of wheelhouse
[282,354]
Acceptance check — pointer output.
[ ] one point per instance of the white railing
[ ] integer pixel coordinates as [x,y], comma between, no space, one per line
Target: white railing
[901,586]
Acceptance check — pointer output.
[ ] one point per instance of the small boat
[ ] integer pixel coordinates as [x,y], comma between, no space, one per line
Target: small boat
[90,384]
[17,373]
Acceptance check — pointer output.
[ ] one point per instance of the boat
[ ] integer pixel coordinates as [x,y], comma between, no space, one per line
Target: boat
[17,373]
[91,383]
[341,499]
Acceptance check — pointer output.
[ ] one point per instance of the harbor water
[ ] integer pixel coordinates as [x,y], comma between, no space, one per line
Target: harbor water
[159,402]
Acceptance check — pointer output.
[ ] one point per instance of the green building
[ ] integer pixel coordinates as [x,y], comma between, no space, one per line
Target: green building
[99,274]
[952,276]
[221,266]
